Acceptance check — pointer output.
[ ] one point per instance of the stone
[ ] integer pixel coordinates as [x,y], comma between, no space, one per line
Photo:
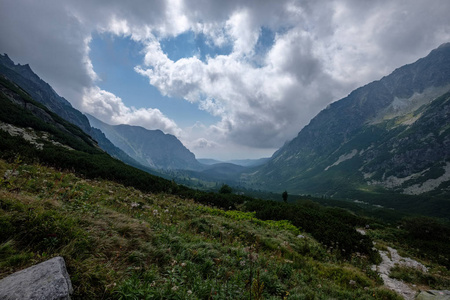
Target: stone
[389,259]
[434,295]
[48,280]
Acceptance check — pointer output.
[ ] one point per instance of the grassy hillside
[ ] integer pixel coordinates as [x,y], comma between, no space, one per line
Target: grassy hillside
[122,243]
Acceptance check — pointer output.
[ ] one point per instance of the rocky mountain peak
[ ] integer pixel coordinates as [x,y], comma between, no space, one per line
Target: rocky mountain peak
[396,127]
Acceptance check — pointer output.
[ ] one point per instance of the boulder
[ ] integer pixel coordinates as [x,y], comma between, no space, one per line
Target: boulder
[45,281]
[434,295]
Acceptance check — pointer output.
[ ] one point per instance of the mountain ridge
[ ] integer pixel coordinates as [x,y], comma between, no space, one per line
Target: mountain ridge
[43,93]
[152,148]
[305,164]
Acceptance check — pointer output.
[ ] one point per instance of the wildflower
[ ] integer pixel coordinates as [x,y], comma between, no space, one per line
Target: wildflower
[242,263]
[174,288]
[183,264]
[253,257]
[300,236]
[352,282]
[189,292]
[166,211]
[134,204]
[155,212]
[9,173]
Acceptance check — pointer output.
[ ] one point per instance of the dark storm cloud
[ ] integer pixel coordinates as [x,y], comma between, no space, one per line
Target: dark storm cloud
[49,39]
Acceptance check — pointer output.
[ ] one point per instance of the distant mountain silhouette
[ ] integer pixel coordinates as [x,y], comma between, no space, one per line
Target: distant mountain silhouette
[151,148]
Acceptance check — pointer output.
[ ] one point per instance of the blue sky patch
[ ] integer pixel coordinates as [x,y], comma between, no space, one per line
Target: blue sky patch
[190,44]
[114,59]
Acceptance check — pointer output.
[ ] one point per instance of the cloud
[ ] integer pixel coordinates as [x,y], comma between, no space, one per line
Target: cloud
[203,143]
[111,109]
[320,52]
[258,106]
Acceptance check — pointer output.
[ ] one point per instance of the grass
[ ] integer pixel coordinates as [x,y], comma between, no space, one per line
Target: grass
[434,280]
[122,243]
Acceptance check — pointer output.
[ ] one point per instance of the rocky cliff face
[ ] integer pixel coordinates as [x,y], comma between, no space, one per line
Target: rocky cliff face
[151,148]
[392,133]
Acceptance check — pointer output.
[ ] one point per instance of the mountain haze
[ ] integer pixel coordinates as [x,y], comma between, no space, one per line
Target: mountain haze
[151,148]
[392,134]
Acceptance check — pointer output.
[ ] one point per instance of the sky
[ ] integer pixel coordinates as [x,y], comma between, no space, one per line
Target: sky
[231,79]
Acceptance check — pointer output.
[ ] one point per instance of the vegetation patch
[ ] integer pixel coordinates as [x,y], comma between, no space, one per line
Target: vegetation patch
[122,243]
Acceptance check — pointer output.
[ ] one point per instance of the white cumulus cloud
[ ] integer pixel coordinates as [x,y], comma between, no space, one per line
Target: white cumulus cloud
[111,109]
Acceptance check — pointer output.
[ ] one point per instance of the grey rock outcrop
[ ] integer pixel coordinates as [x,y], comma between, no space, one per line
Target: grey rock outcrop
[434,295]
[389,259]
[48,280]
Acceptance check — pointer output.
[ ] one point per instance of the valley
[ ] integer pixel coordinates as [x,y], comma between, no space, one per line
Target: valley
[136,215]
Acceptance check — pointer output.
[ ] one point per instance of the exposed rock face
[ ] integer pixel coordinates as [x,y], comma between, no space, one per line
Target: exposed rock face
[391,258]
[393,133]
[45,281]
[434,295]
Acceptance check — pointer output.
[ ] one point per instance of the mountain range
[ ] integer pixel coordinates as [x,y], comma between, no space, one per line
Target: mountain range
[389,136]
[42,92]
[61,195]
[392,134]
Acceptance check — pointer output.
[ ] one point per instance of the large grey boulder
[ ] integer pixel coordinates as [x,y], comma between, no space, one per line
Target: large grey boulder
[48,280]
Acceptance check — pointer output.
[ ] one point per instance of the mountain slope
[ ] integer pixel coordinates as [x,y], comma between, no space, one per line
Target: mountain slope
[392,133]
[42,92]
[29,131]
[151,148]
